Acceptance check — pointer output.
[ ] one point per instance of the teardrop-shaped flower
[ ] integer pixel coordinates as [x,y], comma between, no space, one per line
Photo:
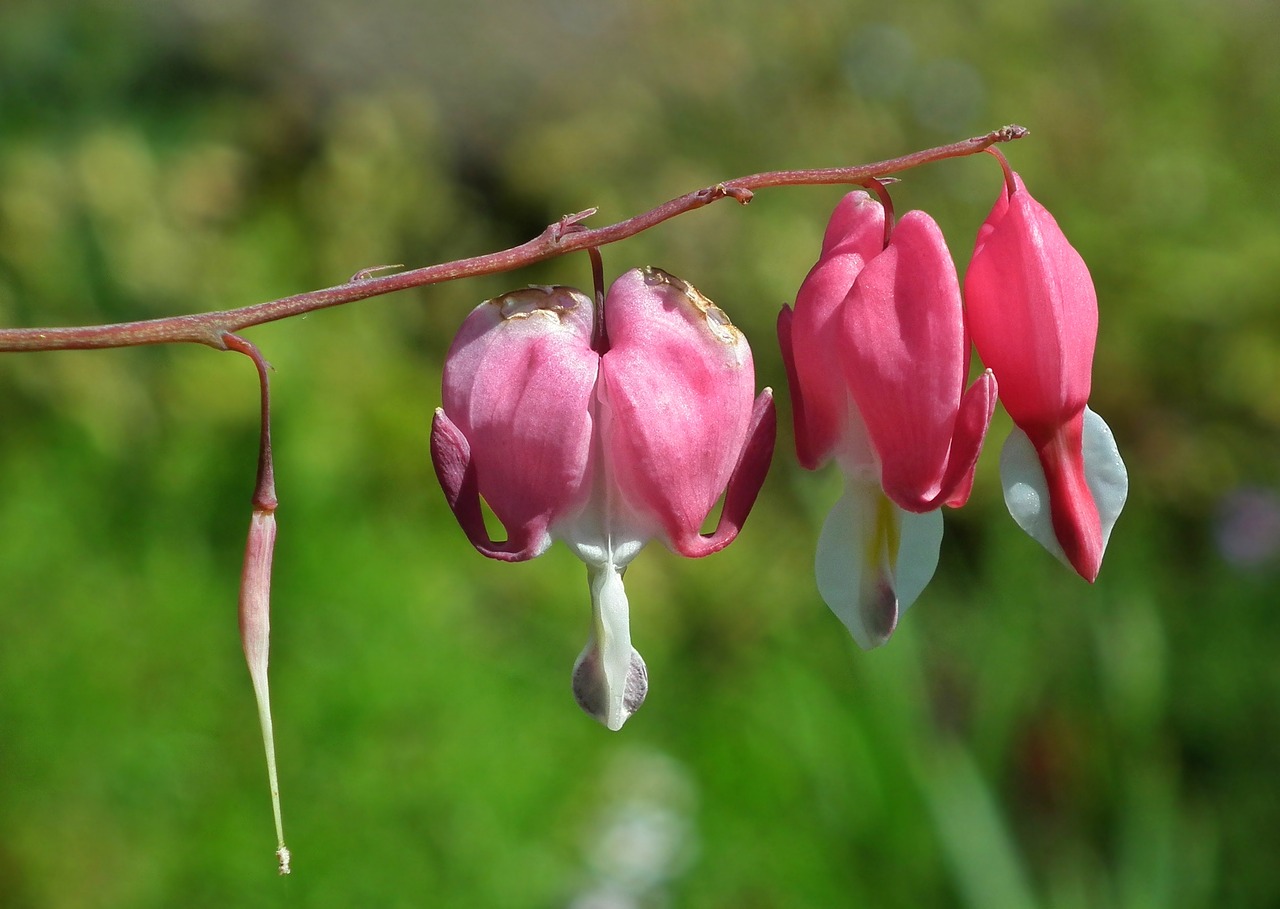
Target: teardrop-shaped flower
[603,436]
[877,358]
[1033,313]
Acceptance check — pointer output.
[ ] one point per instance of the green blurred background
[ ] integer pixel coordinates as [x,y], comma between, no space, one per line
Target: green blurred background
[1024,741]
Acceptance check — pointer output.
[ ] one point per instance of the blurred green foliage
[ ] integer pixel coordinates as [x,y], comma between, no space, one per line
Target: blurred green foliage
[1024,741]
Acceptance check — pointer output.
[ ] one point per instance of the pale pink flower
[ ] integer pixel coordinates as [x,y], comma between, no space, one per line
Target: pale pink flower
[604,430]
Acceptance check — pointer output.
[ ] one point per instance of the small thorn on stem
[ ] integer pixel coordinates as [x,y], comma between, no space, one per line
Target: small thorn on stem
[365,274]
[710,194]
[739,194]
[570,224]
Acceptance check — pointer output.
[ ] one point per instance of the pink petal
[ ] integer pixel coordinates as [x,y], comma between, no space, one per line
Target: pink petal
[810,337]
[1031,502]
[1076,523]
[977,406]
[676,401]
[1033,314]
[455,469]
[905,357]
[744,484]
[519,384]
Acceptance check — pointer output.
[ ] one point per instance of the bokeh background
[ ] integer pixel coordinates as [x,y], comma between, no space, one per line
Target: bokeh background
[1025,740]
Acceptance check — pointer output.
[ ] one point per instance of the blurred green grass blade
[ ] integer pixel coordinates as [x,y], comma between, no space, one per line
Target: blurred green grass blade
[975,843]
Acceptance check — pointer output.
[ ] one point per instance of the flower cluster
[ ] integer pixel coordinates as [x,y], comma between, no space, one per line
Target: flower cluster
[877,354]
[605,423]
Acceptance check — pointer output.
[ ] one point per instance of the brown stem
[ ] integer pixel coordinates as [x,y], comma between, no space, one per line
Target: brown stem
[886,202]
[599,338]
[1010,183]
[264,492]
[564,236]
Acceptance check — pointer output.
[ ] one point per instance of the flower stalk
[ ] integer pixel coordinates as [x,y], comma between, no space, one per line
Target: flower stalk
[564,236]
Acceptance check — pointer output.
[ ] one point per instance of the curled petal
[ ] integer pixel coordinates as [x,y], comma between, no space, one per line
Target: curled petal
[874,560]
[451,457]
[799,408]
[676,396]
[744,484]
[1072,514]
[519,383]
[977,406]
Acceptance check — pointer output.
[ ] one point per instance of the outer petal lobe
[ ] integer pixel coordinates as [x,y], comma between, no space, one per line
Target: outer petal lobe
[905,359]
[676,401]
[810,337]
[519,383]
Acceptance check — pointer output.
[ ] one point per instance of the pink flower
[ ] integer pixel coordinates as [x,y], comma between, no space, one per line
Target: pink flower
[1033,313]
[877,358]
[602,429]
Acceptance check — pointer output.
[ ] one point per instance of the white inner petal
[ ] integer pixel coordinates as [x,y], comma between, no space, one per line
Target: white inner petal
[873,560]
[1104,471]
[1026,493]
[918,552]
[610,680]
[613,638]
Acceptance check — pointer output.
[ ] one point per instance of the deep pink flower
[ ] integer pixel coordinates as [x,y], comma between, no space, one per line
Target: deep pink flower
[877,358]
[1033,314]
[603,430]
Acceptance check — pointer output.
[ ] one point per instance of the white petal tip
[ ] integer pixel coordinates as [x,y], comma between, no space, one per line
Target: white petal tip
[874,560]
[1026,492]
[591,688]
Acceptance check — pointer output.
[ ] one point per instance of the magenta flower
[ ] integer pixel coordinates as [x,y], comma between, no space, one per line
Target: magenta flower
[877,358]
[604,430]
[1033,312]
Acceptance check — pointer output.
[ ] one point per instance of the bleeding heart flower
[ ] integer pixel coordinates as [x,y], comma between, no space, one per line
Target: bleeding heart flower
[1033,313]
[877,358]
[603,430]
